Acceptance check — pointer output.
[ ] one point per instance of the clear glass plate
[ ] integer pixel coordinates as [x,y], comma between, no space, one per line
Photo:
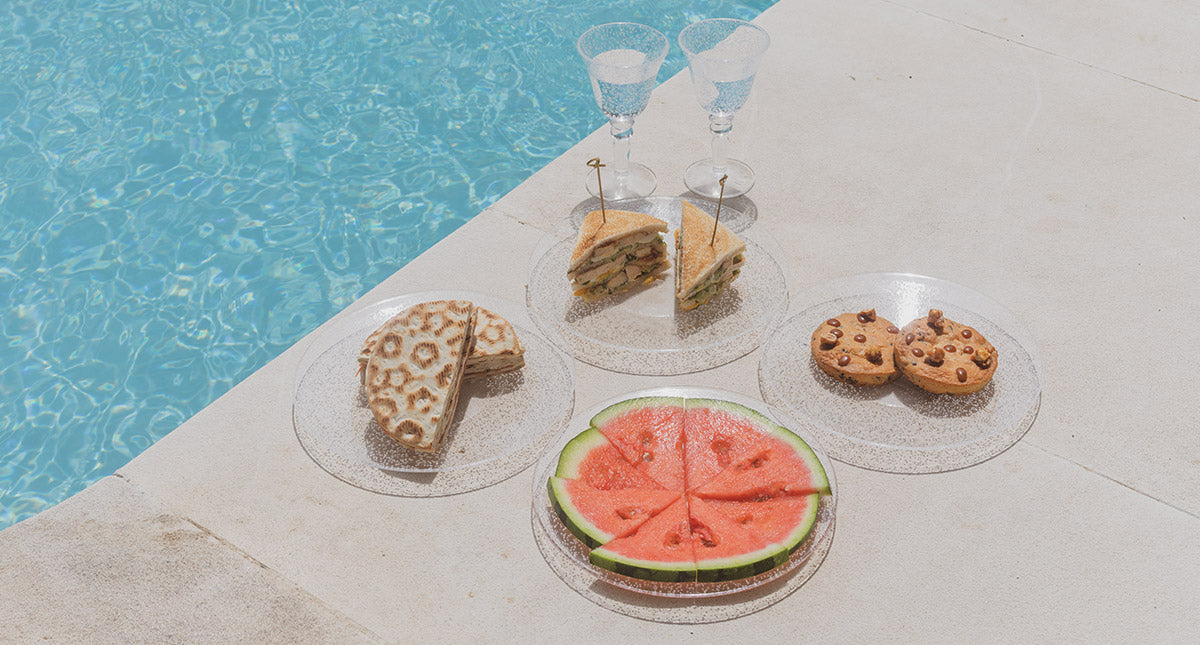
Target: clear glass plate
[900,428]
[642,331]
[675,602]
[501,425]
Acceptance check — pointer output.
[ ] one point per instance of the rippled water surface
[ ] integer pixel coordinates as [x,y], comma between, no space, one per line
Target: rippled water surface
[186,188]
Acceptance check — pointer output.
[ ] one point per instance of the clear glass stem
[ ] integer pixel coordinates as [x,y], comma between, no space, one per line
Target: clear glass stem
[720,126]
[622,134]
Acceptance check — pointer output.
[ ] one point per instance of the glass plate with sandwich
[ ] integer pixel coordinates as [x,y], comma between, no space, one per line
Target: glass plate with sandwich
[665,289]
[431,393]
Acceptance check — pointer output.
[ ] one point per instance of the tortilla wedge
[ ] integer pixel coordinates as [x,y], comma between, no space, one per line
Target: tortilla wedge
[415,368]
[495,347]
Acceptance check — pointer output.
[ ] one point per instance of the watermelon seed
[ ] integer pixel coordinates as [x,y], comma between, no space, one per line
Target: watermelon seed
[630,512]
[646,456]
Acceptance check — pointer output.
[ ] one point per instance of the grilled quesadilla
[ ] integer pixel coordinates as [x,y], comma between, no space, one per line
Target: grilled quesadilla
[495,348]
[616,250]
[415,368]
[702,269]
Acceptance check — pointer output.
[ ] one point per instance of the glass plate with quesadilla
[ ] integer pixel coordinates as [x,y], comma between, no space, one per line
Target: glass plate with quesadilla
[604,285]
[478,408]
[897,427]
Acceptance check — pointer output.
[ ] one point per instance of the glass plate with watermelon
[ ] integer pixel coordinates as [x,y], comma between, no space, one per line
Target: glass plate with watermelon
[642,331]
[898,427]
[683,505]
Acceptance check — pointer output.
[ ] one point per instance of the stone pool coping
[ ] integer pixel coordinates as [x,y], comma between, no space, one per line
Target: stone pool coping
[1044,156]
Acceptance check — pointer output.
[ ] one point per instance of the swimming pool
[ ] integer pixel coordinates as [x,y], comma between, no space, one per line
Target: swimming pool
[187,188]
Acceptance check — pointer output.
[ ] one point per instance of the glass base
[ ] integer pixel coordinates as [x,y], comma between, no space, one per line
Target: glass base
[701,178]
[638,182]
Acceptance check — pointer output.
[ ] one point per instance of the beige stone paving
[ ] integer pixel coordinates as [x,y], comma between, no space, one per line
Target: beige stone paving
[115,565]
[1051,173]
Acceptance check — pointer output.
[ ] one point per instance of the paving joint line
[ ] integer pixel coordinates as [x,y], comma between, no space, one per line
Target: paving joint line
[1118,482]
[1041,50]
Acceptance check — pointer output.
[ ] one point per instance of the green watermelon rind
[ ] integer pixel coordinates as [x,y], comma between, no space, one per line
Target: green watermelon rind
[764,559]
[579,526]
[576,450]
[608,414]
[746,565]
[803,450]
[654,570]
[804,527]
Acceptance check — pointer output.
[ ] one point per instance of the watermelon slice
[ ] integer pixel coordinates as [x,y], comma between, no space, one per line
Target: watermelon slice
[649,433]
[597,516]
[780,465]
[718,434]
[725,549]
[785,521]
[591,458]
[661,548]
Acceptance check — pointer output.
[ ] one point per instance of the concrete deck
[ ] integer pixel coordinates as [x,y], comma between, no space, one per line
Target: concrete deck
[1047,156]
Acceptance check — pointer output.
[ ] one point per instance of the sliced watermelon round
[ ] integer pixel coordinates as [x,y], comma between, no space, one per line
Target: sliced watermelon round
[649,432]
[661,548]
[718,434]
[726,550]
[593,459]
[779,465]
[597,516]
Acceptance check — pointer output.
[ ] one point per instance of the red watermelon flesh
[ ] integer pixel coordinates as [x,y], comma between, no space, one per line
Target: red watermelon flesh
[715,535]
[602,515]
[716,436]
[773,469]
[776,520]
[598,463]
[649,433]
[726,550]
[660,549]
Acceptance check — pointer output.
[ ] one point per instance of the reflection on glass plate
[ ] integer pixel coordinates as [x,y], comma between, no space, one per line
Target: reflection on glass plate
[898,427]
[675,602]
[642,331]
[501,424]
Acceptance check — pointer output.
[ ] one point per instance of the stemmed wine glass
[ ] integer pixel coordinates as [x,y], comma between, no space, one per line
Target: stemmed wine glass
[622,60]
[723,55]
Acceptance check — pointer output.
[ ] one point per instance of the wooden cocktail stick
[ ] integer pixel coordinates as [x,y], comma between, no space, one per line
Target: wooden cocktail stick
[595,163]
[720,198]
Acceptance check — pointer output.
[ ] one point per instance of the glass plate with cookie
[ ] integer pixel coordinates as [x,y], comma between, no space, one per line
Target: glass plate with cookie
[904,373]
[515,390]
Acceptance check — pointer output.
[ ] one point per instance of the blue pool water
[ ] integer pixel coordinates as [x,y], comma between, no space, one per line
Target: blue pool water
[188,187]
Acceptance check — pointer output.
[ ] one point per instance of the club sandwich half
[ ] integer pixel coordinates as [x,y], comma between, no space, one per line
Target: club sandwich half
[615,251]
[704,264]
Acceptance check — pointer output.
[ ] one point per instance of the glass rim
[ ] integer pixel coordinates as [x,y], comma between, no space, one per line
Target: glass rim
[666,43]
[766,42]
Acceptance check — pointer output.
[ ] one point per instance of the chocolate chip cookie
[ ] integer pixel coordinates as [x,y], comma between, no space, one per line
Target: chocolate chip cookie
[943,356]
[856,348]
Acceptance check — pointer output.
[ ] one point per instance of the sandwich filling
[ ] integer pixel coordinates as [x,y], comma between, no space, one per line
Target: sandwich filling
[611,256]
[709,257]
[707,289]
